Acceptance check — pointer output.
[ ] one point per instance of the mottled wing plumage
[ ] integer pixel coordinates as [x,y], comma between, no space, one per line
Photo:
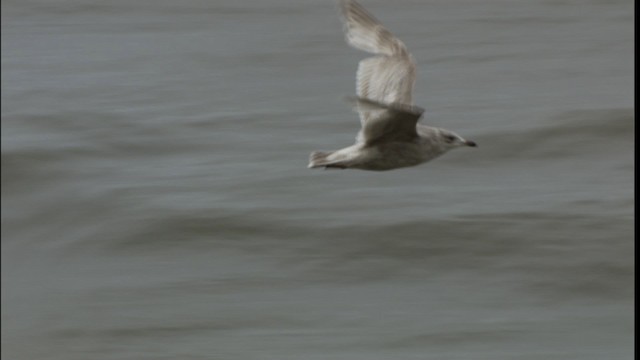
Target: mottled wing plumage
[388,77]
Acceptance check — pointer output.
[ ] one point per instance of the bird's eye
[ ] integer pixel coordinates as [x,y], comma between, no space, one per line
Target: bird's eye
[449,138]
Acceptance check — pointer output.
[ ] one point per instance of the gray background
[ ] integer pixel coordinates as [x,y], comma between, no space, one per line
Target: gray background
[156,202]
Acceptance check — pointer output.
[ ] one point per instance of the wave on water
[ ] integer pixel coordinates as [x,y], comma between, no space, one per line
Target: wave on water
[573,133]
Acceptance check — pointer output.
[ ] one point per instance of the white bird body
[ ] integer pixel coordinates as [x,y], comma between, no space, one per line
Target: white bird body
[390,137]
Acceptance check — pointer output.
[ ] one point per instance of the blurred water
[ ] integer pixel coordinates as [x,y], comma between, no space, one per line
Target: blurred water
[156,202]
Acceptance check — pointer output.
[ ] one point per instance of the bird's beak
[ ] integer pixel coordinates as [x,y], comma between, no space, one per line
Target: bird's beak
[470,143]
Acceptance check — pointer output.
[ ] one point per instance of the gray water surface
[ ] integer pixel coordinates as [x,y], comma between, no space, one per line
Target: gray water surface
[156,202]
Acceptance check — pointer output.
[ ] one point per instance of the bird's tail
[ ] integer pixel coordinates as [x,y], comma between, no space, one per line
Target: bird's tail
[321,159]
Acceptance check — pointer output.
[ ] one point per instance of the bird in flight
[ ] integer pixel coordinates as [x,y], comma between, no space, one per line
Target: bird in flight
[390,136]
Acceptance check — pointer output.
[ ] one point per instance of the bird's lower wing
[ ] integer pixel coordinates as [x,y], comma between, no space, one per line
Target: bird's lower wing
[394,122]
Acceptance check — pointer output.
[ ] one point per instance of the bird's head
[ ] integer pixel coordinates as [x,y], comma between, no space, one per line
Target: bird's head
[449,139]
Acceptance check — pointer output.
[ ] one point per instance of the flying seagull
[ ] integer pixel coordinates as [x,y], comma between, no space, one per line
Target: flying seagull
[390,136]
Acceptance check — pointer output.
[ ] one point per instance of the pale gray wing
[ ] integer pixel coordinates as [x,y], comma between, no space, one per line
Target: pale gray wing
[386,78]
[395,122]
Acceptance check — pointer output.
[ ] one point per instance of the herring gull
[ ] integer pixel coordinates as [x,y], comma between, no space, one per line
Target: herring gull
[390,136]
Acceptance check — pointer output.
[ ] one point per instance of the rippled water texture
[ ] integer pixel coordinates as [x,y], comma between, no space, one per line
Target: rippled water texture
[156,202]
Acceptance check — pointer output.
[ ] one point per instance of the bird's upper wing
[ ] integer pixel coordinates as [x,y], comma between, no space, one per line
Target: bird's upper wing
[387,77]
[396,122]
